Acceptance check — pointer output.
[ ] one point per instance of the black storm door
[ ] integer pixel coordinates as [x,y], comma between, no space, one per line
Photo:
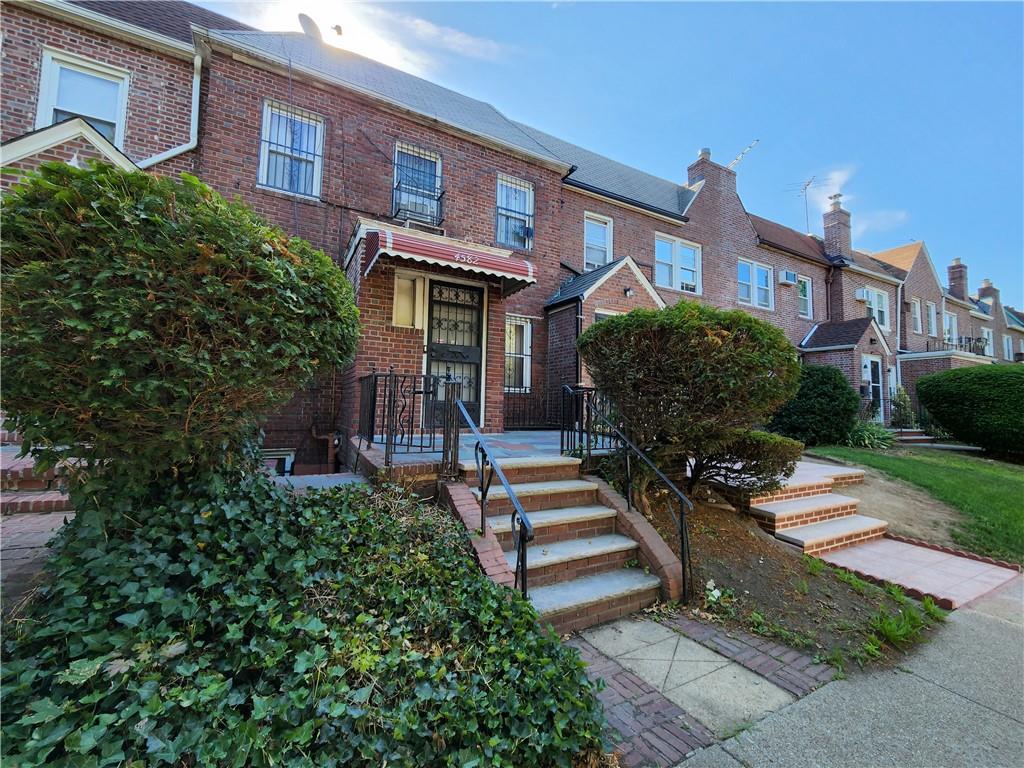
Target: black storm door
[455,338]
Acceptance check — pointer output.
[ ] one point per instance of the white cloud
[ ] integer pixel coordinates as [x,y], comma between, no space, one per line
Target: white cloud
[862,222]
[834,181]
[866,222]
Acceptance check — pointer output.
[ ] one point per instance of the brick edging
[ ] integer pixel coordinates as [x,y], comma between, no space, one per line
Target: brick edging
[779,664]
[958,552]
[489,553]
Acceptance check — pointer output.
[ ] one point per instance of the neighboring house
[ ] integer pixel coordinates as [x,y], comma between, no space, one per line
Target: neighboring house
[479,247]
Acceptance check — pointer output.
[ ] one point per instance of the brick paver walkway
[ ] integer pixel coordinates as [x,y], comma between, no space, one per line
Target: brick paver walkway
[23,550]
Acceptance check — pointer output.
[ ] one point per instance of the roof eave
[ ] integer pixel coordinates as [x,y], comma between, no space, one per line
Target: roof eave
[677,218]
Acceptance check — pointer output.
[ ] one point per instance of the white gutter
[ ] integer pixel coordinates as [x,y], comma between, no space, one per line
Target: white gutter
[193,128]
[899,320]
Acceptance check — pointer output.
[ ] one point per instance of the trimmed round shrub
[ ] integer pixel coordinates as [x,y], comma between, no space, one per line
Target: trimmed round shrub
[824,410]
[982,405]
[148,322]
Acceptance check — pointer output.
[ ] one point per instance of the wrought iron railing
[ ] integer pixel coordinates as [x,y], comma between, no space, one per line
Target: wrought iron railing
[417,204]
[589,424]
[400,411]
[976,346]
[487,468]
[526,409]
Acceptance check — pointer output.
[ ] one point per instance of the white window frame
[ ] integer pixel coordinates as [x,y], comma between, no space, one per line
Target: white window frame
[269,107]
[528,218]
[874,294]
[915,316]
[49,80]
[609,225]
[412,150]
[990,341]
[800,280]
[1008,347]
[933,318]
[526,354]
[676,266]
[953,326]
[754,267]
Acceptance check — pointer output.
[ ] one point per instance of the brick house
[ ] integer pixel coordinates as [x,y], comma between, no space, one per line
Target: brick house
[479,247]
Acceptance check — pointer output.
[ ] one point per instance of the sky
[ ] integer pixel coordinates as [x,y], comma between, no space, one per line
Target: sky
[914,111]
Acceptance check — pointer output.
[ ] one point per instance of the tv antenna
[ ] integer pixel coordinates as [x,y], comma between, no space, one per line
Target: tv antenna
[736,160]
[801,188]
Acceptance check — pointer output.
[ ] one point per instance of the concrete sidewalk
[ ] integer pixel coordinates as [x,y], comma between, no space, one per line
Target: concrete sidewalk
[956,701]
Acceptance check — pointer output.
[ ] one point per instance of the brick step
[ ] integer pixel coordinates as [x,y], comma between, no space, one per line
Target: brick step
[574,558]
[530,469]
[570,606]
[538,496]
[19,474]
[778,515]
[564,523]
[830,535]
[8,437]
[31,502]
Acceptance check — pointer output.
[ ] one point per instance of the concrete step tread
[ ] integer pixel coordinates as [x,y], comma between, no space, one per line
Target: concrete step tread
[503,523]
[803,535]
[524,462]
[589,590]
[543,555]
[803,505]
[538,489]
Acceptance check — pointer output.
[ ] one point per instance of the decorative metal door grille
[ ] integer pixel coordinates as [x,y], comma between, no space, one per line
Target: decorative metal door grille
[454,343]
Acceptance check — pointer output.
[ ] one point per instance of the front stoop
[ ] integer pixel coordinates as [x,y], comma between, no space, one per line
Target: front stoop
[590,561]
[807,513]
[23,490]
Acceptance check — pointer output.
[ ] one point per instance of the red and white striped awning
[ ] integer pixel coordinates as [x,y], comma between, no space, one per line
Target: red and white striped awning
[514,273]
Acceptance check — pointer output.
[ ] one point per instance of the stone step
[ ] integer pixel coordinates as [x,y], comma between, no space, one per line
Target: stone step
[570,606]
[29,502]
[777,515]
[574,558]
[18,473]
[7,437]
[830,535]
[551,525]
[537,496]
[530,469]
[914,439]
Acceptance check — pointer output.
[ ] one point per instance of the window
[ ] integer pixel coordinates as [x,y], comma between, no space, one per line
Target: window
[514,212]
[878,307]
[604,314]
[417,190]
[407,311]
[71,86]
[518,353]
[915,315]
[755,284]
[1007,347]
[677,264]
[291,150]
[932,319]
[597,241]
[805,300]
[986,334]
[949,330]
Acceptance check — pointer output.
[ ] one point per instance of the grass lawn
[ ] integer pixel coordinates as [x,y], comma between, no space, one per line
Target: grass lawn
[989,493]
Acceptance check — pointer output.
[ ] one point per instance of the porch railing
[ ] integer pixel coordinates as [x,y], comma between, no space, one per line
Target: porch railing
[589,424]
[526,409]
[487,468]
[401,412]
[975,346]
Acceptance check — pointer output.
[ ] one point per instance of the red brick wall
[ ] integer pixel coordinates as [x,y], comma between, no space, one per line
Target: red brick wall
[845,305]
[562,366]
[920,284]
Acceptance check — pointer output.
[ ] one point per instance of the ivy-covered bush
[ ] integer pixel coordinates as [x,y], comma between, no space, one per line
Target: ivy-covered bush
[148,322]
[692,382]
[822,412]
[981,405]
[244,626]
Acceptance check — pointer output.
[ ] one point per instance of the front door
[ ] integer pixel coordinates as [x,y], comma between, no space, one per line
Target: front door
[454,341]
[875,386]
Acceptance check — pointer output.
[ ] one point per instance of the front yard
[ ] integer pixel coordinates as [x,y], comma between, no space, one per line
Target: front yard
[987,493]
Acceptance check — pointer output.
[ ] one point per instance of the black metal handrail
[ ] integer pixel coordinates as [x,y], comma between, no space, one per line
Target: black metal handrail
[487,468]
[398,411]
[594,429]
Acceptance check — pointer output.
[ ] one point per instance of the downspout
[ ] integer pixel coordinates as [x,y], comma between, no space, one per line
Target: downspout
[899,323]
[193,129]
[828,293]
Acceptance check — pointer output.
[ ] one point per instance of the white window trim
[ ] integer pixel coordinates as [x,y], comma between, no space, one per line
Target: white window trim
[916,319]
[933,319]
[270,105]
[990,341]
[1007,347]
[873,294]
[754,266]
[48,82]
[527,353]
[515,181]
[810,297]
[609,223]
[954,327]
[698,264]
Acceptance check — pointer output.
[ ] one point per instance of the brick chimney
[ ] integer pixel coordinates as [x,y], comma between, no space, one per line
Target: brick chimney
[988,291]
[716,177]
[957,279]
[838,240]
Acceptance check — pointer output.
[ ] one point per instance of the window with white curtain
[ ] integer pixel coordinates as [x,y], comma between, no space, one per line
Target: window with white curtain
[291,150]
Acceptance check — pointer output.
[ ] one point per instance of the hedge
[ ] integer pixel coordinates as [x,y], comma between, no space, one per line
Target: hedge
[823,411]
[981,405]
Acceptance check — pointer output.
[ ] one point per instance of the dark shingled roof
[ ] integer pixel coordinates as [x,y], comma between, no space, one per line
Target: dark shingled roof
[165,17]
[786,239]
[575,287]
[1014,317]
[837,333]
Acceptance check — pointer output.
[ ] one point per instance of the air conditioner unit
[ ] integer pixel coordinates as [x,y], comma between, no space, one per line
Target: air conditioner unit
[787,278]
[861,294]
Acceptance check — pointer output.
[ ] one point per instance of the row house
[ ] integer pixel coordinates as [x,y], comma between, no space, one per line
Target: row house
[480,248]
